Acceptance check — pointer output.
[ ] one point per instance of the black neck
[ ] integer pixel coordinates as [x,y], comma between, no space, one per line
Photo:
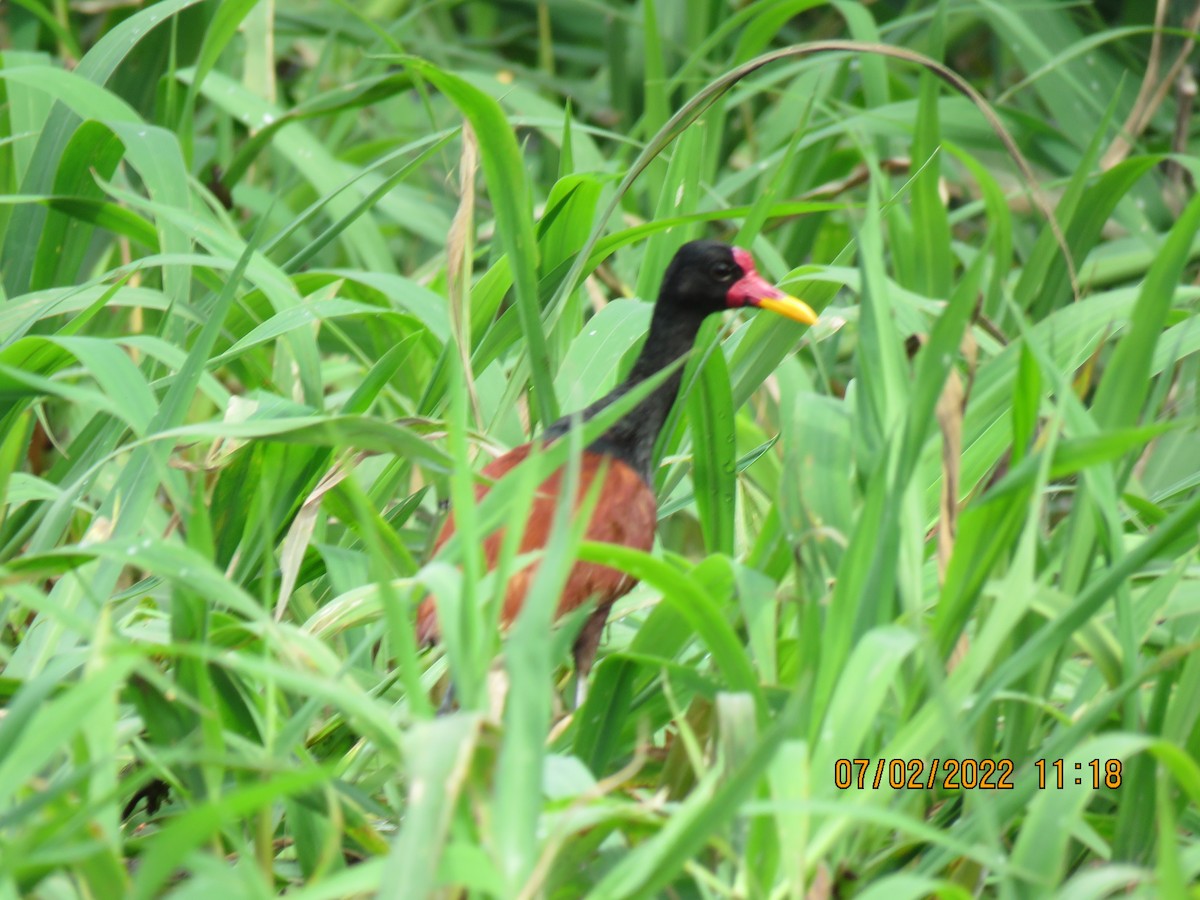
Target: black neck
[632,438]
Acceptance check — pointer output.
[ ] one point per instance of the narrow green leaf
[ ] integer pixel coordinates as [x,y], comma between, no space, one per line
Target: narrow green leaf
[508,186]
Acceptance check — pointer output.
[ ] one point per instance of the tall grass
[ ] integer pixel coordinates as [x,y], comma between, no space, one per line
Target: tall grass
[278,278]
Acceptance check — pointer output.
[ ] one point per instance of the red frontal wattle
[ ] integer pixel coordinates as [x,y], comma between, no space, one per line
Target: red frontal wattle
[751,287]
[744,259]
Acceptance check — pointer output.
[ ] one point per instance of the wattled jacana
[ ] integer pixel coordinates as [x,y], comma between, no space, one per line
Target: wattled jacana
[704,277]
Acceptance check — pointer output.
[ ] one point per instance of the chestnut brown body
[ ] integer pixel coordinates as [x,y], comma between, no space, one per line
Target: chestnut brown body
[625,513]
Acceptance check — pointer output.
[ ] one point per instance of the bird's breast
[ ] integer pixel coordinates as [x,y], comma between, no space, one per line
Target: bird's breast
[625,513]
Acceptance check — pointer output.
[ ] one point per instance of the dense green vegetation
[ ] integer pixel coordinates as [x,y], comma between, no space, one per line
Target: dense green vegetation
[276,278]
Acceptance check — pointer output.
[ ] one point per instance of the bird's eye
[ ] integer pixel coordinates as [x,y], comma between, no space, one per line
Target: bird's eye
[723,272]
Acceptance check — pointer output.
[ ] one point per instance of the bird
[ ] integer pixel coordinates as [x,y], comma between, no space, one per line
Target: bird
[704,277]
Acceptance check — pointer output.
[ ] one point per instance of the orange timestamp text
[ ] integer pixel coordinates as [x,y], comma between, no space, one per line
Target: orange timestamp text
[1095,773]
[917,774]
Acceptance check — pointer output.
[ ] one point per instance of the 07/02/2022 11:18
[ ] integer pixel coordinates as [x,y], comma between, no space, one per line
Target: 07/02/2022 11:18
[971,774]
